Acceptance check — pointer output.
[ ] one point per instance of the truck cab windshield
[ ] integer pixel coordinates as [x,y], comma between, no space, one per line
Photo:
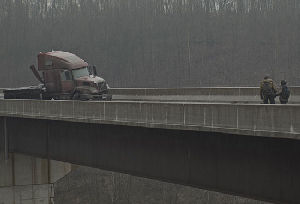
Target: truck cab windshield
[77,73]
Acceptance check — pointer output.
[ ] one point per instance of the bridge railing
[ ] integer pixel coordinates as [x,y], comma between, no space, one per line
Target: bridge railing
[231,91]
[211,94]
[281,121]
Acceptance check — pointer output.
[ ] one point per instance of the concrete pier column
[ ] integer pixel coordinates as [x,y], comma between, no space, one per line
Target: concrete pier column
[29,180]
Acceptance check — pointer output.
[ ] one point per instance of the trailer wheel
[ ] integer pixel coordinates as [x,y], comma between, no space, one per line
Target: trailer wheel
[46,97]
[108,98]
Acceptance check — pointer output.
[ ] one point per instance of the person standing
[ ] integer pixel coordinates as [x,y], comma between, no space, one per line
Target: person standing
[284,93]
[267,90]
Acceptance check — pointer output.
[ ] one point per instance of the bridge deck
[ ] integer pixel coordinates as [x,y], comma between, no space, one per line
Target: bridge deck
[281,121]
[249,150]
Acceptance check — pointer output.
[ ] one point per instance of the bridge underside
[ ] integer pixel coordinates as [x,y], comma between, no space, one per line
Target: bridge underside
[255,167]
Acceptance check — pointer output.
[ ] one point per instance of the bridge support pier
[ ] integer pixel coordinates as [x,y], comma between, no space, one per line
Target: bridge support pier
[26,179]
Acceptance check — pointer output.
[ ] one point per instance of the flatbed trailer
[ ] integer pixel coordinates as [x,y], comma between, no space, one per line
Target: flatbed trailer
[31,92]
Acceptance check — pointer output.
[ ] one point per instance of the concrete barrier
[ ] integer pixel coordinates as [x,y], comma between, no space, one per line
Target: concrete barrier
[243,119]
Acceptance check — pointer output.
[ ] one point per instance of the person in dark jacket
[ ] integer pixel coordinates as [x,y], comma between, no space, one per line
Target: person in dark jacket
[284,93]
[267,90]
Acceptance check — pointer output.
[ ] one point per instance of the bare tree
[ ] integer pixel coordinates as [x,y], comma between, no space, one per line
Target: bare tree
[154,43]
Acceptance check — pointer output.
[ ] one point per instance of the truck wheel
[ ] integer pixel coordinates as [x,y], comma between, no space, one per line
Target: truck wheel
[46,98]
[76,96]
[109,98]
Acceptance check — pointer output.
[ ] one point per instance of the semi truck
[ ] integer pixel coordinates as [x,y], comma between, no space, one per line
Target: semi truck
[64,76]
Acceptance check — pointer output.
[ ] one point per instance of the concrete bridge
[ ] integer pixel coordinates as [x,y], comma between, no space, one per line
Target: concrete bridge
[242,149]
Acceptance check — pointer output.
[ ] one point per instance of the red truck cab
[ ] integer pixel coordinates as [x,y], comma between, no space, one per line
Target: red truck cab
[66,76]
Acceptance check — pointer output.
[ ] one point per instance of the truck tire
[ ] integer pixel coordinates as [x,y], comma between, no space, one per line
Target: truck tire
[76,96]
[108,98]
[45,97]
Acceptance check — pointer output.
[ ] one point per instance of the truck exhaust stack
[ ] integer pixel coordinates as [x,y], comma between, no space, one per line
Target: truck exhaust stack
[36,74]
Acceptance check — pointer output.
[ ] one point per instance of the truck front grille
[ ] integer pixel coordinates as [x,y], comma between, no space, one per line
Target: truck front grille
[102,86]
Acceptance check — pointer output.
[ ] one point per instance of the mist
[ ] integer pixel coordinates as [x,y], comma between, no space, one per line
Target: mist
[155,43]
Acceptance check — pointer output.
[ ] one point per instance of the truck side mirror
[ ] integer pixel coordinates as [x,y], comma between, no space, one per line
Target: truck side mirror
[90,70]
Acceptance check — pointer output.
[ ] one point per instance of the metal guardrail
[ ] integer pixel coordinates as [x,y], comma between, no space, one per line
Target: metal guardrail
[186,91]
[232,91]
[201,94]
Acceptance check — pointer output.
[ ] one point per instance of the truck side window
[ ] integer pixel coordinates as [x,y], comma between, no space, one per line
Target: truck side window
[68,75]
[48,62]
[65,75]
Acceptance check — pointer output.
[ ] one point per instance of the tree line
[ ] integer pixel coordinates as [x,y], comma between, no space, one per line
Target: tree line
[156,43]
